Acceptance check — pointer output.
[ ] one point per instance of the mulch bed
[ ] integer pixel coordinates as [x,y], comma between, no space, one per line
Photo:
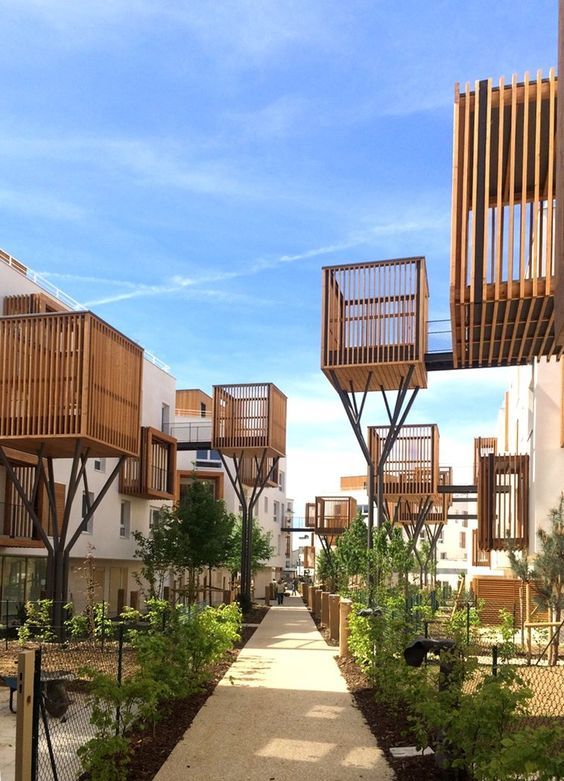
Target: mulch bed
[390,728]
[150,750]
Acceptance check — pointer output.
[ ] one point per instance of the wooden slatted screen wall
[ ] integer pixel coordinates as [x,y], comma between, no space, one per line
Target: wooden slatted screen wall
[250,468]
[483,446]
[65,376]
[152,475]
[374,323]
[248,419]
[309,557]
[31,303]
[412,468]
[503,215]
[310,514]
[503,502]
[480,558]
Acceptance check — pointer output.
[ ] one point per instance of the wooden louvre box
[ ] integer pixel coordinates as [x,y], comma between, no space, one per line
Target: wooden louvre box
[252,473]
[333,515]
[249,419]
[374,324]
[30,304]
[503,218]
[354,482]
[480,558]
[310,515]
[412,467]
[68,376]
[153,474]
[503,502]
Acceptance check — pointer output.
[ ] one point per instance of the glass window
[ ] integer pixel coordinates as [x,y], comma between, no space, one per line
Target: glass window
[99,464]
[275,506]
[281,480]
[202,410]
[154,517]
[463,539]
[266,504]
[124,519]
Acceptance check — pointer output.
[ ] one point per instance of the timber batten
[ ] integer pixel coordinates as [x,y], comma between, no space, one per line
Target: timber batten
[333,515]
[503,502]
[66,377]
[254,470]
[503,223]
[411,469]
[249,419]
[152,475]
[310,514]
[374,324]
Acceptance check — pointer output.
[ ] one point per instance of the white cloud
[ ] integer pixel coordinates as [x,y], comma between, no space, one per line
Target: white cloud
[33,203]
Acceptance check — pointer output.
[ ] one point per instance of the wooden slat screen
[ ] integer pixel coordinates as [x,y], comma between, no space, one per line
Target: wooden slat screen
[412,468]
[354,483]
[65,376]
[30,303]
[250,468]
[503,502]
[483,446]
[249,419]
[503,216]
[309,557]
[498,593]
[480,558]
[374,323]
[334,514]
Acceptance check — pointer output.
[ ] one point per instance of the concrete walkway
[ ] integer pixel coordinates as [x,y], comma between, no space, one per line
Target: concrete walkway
[281,713]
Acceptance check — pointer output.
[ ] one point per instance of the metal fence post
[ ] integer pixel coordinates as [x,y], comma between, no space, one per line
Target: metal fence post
[119,672]
[494,660]
[6,621]
[468,623]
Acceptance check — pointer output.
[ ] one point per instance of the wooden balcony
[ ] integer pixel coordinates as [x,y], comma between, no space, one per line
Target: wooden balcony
[249,420]
[65,377]
[412,467]
[354,483]
[483,446]
[252,473]
[333,515]
[406,511]
[310,515]
[503,502]
[503,218]
[374,323]
[153,474]
[193,402]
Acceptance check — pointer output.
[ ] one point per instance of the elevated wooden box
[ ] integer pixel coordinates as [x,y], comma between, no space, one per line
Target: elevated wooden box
[333,515]
[483,446]
[31,304]
[412,467]
[249,419]
[374,323]
[503,502]
[252,473]
[68,376]
[153,474]
[309,557]
[503,217]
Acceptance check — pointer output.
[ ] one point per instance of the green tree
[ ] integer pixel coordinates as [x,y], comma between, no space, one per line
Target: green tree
[157,552]
[204,531]
[262,548]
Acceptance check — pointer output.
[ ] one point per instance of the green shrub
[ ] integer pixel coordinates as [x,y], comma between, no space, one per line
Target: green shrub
[37,625]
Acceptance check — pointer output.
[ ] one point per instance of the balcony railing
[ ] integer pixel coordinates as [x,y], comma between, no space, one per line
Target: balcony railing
[195,433]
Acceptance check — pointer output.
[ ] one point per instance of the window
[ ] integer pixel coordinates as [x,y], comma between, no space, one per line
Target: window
[465,523]
[154,517]
[99,464]
[208,458]
[165,418]
[282,516]
[202,410]
[281,480]
[266,504]
[443,555]
[441,536]
[462,543]
[275,506]
[87,501]
[124,519]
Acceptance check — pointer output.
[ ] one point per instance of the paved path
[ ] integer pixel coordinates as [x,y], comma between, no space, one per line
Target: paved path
[281,713]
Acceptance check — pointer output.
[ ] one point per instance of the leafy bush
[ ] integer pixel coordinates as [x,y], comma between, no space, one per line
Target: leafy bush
[37,625]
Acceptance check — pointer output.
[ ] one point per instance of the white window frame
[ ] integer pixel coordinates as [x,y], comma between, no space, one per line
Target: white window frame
[125,519]
[90,525]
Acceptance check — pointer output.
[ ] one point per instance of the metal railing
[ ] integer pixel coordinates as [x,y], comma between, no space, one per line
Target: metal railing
[194,432]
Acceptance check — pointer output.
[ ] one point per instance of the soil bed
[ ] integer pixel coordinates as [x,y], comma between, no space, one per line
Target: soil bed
[151,750]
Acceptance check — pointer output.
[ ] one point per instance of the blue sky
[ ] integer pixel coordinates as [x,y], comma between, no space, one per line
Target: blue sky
[186,168]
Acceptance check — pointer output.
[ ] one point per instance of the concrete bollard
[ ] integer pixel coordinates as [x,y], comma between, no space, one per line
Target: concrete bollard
[325,608]
[334,600]
[345,607]
[267,595]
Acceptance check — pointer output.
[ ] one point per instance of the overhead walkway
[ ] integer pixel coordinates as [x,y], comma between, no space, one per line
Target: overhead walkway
[281,713]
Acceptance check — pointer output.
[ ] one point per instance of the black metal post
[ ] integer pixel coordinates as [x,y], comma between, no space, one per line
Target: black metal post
[119,673]
[6,621]
[494,660]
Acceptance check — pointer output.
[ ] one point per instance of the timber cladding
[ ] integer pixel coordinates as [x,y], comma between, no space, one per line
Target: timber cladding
[411,469]
[503,502]
[503,223]
[68,380]
[310,514]
[153,474]
[509,594]
[249,419]
[254,470]
[374,324]
[333,515]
